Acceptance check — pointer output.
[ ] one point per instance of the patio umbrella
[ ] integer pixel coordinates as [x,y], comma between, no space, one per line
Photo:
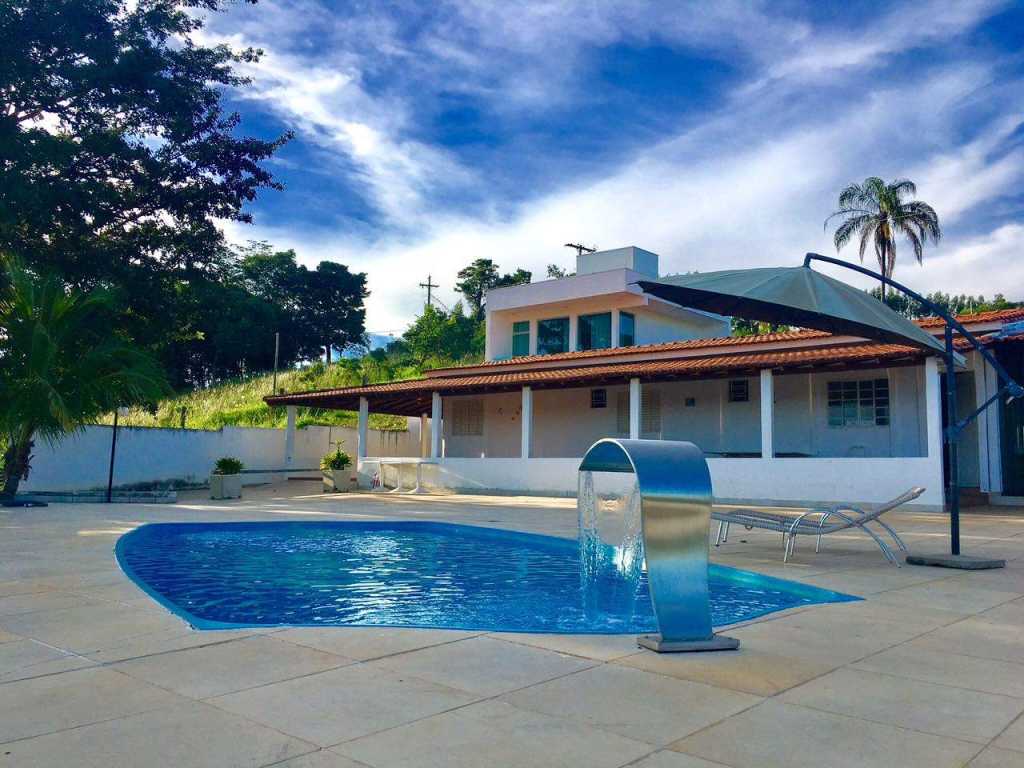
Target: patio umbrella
[800,296]
[793,296]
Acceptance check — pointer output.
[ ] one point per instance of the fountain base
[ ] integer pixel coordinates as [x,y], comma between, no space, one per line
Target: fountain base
[713,643]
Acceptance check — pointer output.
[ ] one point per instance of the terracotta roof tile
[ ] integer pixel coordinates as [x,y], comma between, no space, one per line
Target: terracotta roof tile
[347,397]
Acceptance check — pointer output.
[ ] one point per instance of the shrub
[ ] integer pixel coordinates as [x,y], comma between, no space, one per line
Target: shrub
[227,465]
[337,460]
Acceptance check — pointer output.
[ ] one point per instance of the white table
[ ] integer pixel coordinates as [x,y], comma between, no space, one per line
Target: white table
[398,463]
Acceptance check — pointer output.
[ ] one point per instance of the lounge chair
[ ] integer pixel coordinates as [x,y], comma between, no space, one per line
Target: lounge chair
[813,523]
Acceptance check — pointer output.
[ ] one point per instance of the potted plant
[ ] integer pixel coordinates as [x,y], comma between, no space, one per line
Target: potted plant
[338,477]
[226,480]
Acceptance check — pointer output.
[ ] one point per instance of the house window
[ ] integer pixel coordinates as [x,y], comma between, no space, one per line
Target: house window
[467,418]
[599,398]
[739,391]
[863,403]
[553,336]
[595,331]
[521,338]
[650,413]
[627,329]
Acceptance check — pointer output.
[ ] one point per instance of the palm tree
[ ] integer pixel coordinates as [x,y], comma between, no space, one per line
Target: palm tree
[878,212]
[60,365]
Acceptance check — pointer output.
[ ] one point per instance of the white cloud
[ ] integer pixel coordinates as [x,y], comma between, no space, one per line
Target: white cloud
[749,184]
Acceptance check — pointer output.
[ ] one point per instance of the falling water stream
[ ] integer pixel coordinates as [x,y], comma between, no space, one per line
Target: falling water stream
[611,543]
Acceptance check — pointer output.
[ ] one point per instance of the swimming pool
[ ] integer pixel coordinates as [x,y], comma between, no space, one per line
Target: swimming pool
[408,574]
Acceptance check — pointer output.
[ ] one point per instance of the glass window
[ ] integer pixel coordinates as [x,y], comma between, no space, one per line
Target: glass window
[595,331]
[739,391]
[627,329]
[863,403]
[553,336]
[599,398]
[521,338]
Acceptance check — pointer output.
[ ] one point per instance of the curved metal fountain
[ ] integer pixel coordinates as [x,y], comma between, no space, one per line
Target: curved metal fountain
[674,485]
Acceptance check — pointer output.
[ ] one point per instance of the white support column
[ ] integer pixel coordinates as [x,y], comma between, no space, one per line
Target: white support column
[933,409]
[533,337]
[527,423]
[634,409]
[615,328]
[574,321]
[364,423]
[289,438]
[767,414]
[424,442]
[435,425]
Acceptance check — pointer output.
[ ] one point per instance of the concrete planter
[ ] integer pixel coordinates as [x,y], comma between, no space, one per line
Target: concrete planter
[225,486]
[339,480]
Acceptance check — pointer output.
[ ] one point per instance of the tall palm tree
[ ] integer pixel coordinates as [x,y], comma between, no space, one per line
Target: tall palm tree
[60,366]
[878,212]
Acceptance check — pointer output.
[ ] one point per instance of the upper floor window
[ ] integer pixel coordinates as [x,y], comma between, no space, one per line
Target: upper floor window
[521,338]
[627,329]
[863,403]
[595,331]
[553,336]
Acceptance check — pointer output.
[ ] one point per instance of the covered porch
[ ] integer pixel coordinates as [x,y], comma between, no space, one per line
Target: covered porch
[859,422]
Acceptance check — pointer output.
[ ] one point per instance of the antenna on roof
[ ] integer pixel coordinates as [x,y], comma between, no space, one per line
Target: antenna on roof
[580,248]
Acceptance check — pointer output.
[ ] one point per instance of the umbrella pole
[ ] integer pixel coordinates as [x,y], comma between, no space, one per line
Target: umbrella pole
[952,438]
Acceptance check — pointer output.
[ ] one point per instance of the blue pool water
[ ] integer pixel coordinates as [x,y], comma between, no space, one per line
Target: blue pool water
[408,574]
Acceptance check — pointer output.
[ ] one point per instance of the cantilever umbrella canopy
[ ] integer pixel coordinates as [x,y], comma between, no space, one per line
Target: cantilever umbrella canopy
[793,296]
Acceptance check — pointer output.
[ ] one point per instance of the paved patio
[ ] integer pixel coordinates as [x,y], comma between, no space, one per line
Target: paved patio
[928,671]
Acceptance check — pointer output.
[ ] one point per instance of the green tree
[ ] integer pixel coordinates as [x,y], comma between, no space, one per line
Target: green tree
[318,310]
[877,213]
[438,337]
[116,153]
[61,366]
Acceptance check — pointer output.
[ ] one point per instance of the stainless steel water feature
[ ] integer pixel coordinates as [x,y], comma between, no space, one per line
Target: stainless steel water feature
[675,511]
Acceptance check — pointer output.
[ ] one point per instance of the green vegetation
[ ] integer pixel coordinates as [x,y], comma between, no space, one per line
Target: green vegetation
[60,366]
[240,403]
[876,213]
[337,460]
[228,465]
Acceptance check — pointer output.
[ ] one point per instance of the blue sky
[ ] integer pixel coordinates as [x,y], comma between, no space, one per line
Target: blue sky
[715,134]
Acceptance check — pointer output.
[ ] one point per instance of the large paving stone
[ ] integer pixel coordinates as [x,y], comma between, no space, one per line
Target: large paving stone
[913,704]
[493,734]
[191,735]
[365,643]
[342,704]
[779,735]
[633,703]
[916,661]
[227,667]
[484,665]
[56,702]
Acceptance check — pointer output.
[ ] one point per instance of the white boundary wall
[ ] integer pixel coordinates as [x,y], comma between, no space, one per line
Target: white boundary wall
[155,455]
[800,482]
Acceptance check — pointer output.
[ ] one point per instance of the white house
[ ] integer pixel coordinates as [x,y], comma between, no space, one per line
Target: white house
[795,417]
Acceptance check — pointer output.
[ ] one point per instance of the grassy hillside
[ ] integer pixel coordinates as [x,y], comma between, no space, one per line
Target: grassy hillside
[240,403]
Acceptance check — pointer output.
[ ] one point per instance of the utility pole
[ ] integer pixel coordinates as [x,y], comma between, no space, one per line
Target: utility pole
[580,248]
[430,287]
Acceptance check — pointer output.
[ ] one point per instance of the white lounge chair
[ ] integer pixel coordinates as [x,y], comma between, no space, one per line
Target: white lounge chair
[813,523]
